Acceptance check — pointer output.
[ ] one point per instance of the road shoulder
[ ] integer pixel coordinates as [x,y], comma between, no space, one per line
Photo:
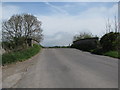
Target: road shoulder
[12,73]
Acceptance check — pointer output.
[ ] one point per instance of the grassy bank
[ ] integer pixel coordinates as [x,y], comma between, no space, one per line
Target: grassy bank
[20,55]
[100,51]
[113,54]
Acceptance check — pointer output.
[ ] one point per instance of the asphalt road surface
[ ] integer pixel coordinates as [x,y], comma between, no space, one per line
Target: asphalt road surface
[70,68]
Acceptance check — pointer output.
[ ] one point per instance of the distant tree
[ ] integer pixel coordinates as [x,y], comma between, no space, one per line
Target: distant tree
[82,36]
[19,28]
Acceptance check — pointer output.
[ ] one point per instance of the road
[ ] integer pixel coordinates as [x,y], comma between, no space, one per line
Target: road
[70,68]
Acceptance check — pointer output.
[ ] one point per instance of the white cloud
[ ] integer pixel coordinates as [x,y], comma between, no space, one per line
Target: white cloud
[59,38]
[56,9]
[9,10]
[0,21]
[6,12]
[73,24]
[101,12]
[91,20]
[114,10]
[70,25]
[60,28]
[0,11]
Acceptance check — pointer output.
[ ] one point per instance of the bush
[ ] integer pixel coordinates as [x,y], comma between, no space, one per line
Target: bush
[98,51]
[84,47]
[117,43]
[20,55]
[114,54]
[108,41]
[86,44]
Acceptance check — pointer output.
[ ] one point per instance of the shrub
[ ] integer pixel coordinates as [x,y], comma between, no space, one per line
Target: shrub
[98,51]
[117,43]
[85,44]
[108,41]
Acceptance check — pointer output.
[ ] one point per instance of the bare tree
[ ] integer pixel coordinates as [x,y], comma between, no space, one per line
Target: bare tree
[108,26]
[19,28]
[32,27]
[114,26]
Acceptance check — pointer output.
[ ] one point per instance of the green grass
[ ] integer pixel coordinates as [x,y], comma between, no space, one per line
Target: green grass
[114,54]
[20,55]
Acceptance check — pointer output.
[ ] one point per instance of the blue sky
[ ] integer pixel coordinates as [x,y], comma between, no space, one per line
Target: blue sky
[42,8]
[62,20]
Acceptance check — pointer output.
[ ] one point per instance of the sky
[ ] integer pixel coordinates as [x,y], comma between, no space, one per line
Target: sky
[62,20]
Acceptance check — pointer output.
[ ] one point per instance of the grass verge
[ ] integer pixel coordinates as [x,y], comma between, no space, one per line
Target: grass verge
[114,54]
[8,58]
